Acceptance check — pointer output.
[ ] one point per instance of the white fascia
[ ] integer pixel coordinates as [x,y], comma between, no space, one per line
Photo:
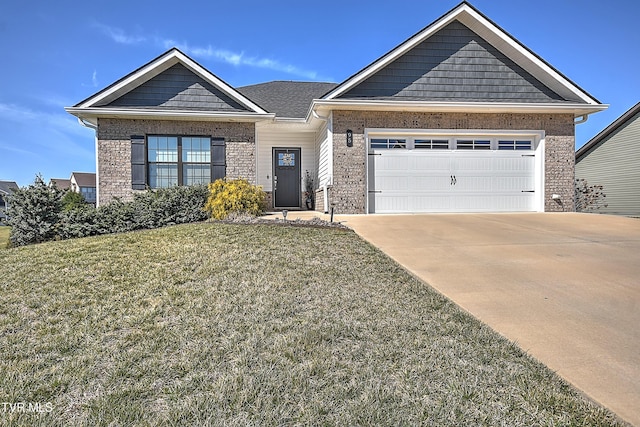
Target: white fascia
[321,105]
[92,114]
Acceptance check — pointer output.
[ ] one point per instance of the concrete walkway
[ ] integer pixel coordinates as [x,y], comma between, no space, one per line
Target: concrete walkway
[565,287]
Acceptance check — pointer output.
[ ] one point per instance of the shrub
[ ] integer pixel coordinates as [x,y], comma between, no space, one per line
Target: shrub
[80,221]
[35,213]
[175,205]
[41,212]
[589,198]
[236,196]
[72,200]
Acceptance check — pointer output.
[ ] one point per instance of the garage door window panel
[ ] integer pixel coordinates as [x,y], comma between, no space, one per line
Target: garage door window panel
[510,144]
[388,143]
[473,144]
[431,144]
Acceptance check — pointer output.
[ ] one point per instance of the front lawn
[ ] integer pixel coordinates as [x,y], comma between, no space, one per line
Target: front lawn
[5,232]
[223,324]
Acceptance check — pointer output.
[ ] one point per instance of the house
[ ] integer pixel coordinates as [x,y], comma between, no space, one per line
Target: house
[461,117]
[6,189]
[80,182]
[612,159]
[60,183]
[85,184]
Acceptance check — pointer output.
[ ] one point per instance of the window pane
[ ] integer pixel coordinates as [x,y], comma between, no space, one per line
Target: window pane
[196,150]
[196,174]
[397,143]
[163,176]
[163,148]
[286,159]
[378,143]
[464,144]
[482,145]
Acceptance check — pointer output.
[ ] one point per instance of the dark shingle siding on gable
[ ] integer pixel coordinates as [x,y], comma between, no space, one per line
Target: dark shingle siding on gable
[455,64]
[178,88]
[284,98]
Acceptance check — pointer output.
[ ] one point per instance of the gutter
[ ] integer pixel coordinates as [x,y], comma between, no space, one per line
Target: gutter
[454,107]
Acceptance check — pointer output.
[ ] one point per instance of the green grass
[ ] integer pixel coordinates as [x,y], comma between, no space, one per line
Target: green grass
[223,324]
[4,237]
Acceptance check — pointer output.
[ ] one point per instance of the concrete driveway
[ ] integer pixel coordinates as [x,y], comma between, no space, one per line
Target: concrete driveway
[565,287]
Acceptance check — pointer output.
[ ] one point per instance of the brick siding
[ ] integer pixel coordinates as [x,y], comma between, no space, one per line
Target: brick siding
[114,149]
[348,193]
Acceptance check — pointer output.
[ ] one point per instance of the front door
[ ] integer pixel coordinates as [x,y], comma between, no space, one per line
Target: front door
[286,178]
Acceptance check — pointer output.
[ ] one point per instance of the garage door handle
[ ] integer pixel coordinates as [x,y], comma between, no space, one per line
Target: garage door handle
[528,191]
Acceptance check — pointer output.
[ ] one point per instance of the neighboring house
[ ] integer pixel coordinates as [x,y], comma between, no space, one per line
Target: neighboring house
[612,159]
[85,184]
[461,117]
[60,183]
[6,189]
[80,182]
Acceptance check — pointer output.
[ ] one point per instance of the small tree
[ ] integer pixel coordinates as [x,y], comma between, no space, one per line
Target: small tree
[35,212]
[589,198]
[309,193]
[72,200]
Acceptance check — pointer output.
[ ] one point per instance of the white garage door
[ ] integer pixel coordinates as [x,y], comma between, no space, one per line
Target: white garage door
[451,175]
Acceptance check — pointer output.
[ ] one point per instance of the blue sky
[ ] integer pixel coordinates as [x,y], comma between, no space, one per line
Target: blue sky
[57,53]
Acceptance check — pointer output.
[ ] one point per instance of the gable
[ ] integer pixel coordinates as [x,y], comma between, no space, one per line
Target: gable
[454,64]
[624,132]
[177,88]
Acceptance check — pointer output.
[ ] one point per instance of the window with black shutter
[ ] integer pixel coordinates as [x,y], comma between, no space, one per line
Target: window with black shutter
[168,160]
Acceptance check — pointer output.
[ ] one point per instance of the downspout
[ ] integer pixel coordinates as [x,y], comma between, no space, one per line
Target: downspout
[325,188]
[89,125]
[86,124]
[581,119]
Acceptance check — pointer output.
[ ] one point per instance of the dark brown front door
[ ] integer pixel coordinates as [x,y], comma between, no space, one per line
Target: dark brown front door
[286,178]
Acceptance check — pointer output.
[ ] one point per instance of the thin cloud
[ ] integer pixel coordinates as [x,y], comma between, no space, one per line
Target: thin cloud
[118,35]
[59,122]
[223,55]
[238,59]
[94,78]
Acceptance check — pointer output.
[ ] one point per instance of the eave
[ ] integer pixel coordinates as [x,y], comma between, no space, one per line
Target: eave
[322,107]
[92,114]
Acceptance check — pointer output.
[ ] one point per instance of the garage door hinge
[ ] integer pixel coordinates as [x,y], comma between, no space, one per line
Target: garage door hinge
[528,191]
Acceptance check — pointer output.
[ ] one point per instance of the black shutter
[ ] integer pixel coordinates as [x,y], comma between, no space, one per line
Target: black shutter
[138,163]
[218,159]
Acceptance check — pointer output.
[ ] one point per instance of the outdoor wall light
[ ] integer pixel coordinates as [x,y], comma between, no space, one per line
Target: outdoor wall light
[555,196]
[349,138]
